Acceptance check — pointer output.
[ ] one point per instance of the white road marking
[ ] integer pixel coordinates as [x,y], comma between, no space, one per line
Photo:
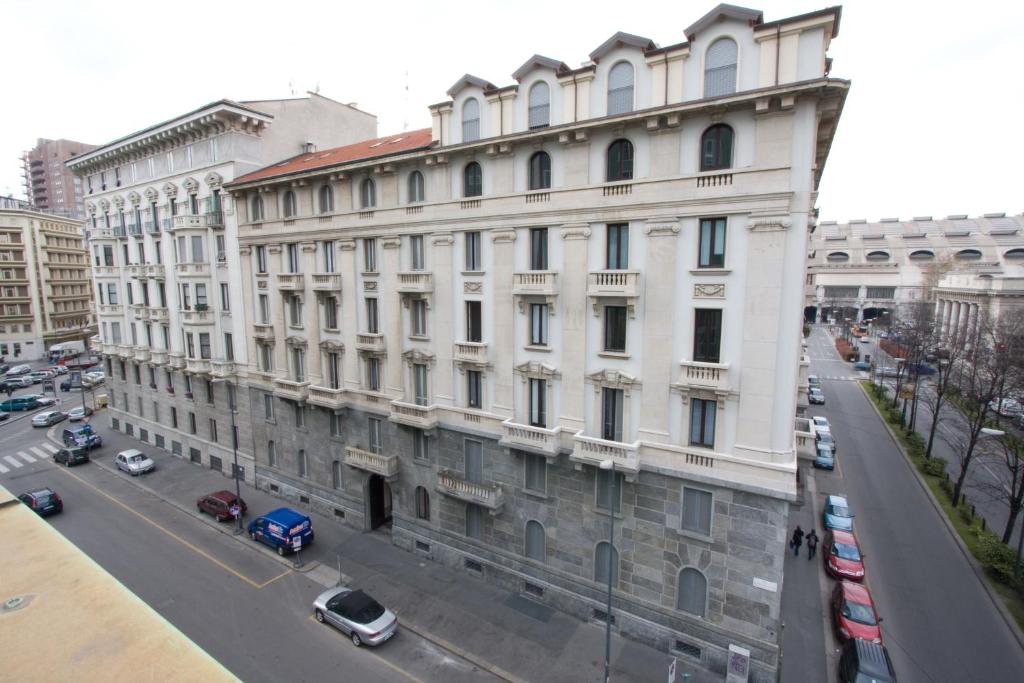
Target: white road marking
[43,455]
[3,469]
[50,447]
[26,457]
[14,461]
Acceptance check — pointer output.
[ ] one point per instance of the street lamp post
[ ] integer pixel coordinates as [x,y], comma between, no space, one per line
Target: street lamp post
[609,466]
[233,407]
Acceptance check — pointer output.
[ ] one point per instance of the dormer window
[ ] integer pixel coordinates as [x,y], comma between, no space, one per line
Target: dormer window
[620,89]
[720,68]
[539,105]
[470,120]
[367,194]
[289,207]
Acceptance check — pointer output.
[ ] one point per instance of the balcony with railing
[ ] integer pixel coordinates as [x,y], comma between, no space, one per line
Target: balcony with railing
[159,314]
[590,450]
[194,317]
[158,357]
[152,227]
[125,350]
[370,341]
[105,271]
[455,485]
[108,349]
[527,437]
[375,463]
[415,282]
[290,389]
[326,397]
[291,282]
[145,271]
[413,415]
[192,269]
[613,283]
[188,221]
[535,283]
[263,331]
[222,368]
[215,219]
[140,311]
[470,352]
[110,309]
[142,354]
[711,376]
[176,360]
[197,366]
[326,282]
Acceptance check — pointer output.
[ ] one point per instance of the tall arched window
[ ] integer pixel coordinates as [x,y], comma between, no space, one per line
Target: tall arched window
[620,160]
[422,503]
[620,89]
[720,68]
[326,199]
[601,563]
[256,208]
[539,114]
[470,120]
[716,148]
[535,541]
[415,187]
[540,171]
[472,180]
[289,204]
[692,592]
[367,194]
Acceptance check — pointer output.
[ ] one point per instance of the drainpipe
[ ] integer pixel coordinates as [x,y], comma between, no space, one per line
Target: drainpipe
[778,48]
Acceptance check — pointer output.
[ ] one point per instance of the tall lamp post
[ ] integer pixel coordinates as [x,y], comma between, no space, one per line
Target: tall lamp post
[233,407]
[609,466]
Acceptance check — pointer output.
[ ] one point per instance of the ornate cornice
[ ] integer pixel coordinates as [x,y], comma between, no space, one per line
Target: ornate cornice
[152,194]
[575,231]
[134,197]
[503,236]
[709,290]
[473,287]
[213,179]
[170,190]
[444,239]
[245,249]
[418,356]
[613,379]
[768,223]
[299,342]
[307,247]
[537,370]
[331,345]
[390,243]
[346,245]
[191,184]
[274,248]
[662,227]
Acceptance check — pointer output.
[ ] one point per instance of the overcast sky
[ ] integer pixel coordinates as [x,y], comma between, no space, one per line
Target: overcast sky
[931,125]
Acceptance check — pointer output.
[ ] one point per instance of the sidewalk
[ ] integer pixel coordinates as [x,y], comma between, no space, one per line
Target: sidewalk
[505,633]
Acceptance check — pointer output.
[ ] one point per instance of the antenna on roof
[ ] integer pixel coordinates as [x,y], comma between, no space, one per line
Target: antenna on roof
[316,90]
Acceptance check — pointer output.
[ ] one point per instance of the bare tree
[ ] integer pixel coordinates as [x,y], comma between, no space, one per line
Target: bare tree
[1008,456]
[949,348]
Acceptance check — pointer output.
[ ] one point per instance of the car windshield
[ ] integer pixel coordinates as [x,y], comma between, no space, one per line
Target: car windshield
[861,613]
[839,510]
[846,551]
[138,458]
[42,498]
[825,437]
[824,452]
[361,608]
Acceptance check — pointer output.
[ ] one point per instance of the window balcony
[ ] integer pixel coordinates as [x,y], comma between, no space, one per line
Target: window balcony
[141,311]
[535,283]
[325,397]
[214,219]
[325,282]
[711,376]
[142,354]
[110,309]
[370,341]
[222,368]
[192,269]
[471,352]
[536,439]
[375,463]
[196,317]
[125,351]
[176,360]
[197,366]
[105,271]
[592,451]
[291,390]
[137,270]
[415,282]
[186,222]
[455,485]
[158,357]
[151,227]
[617,284]
[159,314]
[291,282]
[263,332]
[423,417]
[108,349]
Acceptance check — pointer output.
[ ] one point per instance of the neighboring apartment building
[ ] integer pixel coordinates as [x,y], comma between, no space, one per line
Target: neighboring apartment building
[859,270]
[163,242]
[49,184]
[45,287]
[451,329]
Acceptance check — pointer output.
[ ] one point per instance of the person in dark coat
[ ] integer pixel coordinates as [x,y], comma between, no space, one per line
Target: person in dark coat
[812,544]
[797,540]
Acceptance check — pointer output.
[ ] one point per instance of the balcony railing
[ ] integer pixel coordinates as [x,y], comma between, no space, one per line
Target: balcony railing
[197,366]
[263,331]
[291,282]
[196,317]
[158,357]
[415,282]
[105,271]
[535,283]
[325,282]
[540,439]
[110,309]
[176,360]
[290,389]
[159,314]
[376,463]
[592,451]
[370,341]
[327,397]
[125,350]
[142,354]
[108,349]
[471,352]
[618,283]
[144,271]
[222,368]
[141,311]
[455,485]
[423,417]
[713,376]
[186,221]
[215,219]
[151,227]
[192,269]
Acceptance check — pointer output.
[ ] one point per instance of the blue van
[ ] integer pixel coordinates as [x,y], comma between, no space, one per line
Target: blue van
[283,529]
[81,435]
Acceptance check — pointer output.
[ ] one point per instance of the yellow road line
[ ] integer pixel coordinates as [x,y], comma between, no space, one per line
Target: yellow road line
[379,658]
[286,572]
[190,546]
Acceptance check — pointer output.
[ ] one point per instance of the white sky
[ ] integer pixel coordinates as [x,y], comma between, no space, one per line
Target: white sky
[931,126]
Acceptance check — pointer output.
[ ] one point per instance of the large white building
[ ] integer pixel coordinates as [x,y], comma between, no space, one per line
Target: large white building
[450,329]
[164,251]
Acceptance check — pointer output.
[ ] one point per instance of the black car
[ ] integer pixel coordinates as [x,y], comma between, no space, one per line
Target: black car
[44,502]
[864,660]
[71,456]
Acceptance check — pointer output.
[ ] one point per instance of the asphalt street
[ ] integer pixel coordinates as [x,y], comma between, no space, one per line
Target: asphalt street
[939,622]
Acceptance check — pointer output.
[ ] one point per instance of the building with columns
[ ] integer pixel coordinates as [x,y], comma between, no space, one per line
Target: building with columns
[963,299]
[450,330]
[164,251]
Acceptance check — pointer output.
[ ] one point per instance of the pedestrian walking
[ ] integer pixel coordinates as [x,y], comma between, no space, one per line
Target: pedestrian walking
[797,540]
[812,544]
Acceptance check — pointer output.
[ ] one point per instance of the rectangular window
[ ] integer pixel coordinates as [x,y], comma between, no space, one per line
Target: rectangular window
[229,346]
[209,392]
[707,335]
[198,254]
[174,417]
[474,321]
[372,322]
[293,258]
[261,259]
[330,313]
[303,464]
[712,243]
[474,389]
[702,422]
[333,370]
[419,384]
[602,494]
[271,454]
[538,248]
[336,425]
[192,423]
[266,357]
[536,471]
[618,246]
[474,521]
[268,407]
[373,374]
[474,461]
[213,430]
[374,437]
[697,511]
[370,255]
[615,328]
[416,250]
[419,317]
[201,296]
[225,297]
[204,345]
[419,445]
[264,309]
[295,311]
[539,324]
[611,414]
[538,403]
[299,413]
[298,364]
[327,249]
[473,251]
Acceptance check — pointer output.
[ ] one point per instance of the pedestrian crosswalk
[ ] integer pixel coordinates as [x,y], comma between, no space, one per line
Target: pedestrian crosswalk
[42,452]
[842,378]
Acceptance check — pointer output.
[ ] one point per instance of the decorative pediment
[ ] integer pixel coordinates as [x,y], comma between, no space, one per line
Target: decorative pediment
[613,379]
[151,194]
[470,81]
[90,207]
[104,205]
[170,189]
[418,356]
[191,185]
[331,345]
[621,39]
[768,223]
[537,370]
[213,179]
[134,197]
[722,12]
[118,201]
[300,342]
[540,62]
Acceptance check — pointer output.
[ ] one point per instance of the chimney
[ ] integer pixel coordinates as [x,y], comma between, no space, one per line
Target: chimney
[308,147]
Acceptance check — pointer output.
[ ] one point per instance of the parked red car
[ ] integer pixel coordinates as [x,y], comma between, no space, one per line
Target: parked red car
[853,613]
[842,555]
[219,505]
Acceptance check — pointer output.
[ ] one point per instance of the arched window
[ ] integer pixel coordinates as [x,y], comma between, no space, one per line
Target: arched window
[472,180]
[968,255]
[367,194]
[256,208]
[838,257]
[620,160]
[539,114]
[336,474]
[601,563]
[720,68]
[540,171]
[289,204]
[535,541]
[716,148]
[692,592]
[620,89]
[470,120]
[922,255]
[1015,254]
[877,256]
[415,187]
[422,503]
[326,199]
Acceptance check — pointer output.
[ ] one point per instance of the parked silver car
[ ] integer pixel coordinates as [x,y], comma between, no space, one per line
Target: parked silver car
[50,417]
[356,614]
[134,461]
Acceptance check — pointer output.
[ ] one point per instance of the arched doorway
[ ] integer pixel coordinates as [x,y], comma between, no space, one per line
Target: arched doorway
[378,499]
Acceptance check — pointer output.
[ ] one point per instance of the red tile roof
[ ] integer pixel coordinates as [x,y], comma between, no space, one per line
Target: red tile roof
[359,151]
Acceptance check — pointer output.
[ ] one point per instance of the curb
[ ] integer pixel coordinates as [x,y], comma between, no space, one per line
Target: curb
[305,567]
[976,567]
[464,654]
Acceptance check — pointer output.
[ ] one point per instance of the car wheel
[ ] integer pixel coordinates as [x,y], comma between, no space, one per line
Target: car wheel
[319,616]
[200,508]
[280,550]
[67,463]
[356,640]
[252,535]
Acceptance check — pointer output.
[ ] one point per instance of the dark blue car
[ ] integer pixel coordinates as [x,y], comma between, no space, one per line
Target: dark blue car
[283,529]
